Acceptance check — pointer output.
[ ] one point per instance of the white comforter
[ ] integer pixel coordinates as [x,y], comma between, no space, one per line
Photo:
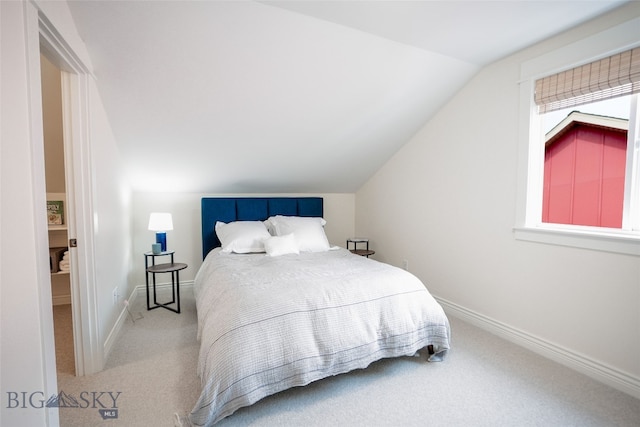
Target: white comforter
[267,324]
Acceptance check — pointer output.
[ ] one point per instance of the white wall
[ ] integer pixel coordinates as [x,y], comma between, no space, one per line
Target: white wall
[185,238]
[112,218]
[446,202]
[27,352]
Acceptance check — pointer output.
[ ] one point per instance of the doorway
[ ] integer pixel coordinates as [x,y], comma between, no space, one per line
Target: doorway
[88,352]
[57,218]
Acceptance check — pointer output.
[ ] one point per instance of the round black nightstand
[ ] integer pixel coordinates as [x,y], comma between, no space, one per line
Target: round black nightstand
[362,252]
[171,267]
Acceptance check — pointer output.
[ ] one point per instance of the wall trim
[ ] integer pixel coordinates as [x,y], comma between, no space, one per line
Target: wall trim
[138,292]
[117,326]
[184,284]
[603,373]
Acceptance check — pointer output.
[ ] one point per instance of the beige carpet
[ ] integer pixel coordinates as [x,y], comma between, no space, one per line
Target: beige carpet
[485,381]
[63,330]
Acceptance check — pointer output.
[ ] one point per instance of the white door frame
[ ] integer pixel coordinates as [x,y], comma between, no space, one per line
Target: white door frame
[75,76]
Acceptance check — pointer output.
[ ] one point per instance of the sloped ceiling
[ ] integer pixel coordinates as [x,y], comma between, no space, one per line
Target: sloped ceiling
[291,96]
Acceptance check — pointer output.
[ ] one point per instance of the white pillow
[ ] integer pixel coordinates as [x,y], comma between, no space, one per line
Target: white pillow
[242,237]
[281,245]
[308,231]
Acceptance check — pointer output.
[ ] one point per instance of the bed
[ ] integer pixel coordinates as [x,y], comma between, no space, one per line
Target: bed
[295,310]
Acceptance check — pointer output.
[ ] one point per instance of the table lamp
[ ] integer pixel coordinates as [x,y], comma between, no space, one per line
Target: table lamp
[161,222]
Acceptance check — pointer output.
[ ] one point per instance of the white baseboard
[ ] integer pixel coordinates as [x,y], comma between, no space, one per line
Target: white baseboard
[113,334]
[138,292]
[141,289]
[613,377]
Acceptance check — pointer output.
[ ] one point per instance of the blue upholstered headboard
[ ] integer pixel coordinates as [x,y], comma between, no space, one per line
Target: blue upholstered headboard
[227,209]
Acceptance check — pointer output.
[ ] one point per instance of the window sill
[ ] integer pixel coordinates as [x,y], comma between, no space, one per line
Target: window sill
[582,237]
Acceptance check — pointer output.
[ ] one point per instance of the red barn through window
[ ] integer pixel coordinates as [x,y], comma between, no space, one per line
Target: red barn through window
[584,171]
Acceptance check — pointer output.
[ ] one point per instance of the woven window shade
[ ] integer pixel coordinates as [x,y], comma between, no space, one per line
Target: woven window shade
[607,78]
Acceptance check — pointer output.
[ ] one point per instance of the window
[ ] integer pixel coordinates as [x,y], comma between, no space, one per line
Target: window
[585,163]
[579,169]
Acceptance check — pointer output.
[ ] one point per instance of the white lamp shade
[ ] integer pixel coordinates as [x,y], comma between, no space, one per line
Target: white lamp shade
[160,221]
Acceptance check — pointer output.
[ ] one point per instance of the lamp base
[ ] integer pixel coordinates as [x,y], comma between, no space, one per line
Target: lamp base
[161,237]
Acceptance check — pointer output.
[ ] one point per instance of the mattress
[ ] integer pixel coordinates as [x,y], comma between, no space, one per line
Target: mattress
[266,324]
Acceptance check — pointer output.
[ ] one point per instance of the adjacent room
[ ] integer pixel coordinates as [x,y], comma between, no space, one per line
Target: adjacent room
[311,212]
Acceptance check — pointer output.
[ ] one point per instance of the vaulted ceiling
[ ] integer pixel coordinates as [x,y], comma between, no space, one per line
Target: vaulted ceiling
[291,96]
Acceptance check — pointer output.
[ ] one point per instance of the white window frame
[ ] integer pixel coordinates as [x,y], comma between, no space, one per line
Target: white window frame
[529,225]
